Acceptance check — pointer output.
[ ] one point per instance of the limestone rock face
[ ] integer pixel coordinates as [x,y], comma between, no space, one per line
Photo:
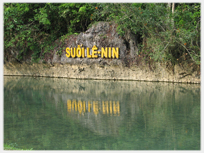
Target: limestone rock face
[102,34]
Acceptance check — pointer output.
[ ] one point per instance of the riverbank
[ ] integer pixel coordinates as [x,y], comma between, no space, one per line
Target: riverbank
[144,72]
[131,63]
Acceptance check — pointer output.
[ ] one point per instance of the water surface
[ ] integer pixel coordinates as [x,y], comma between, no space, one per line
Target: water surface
[69,114]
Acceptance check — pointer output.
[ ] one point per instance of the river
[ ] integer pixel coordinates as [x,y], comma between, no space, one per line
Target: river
[69,114]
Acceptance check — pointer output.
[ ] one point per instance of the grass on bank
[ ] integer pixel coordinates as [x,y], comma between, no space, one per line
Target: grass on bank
[10,147]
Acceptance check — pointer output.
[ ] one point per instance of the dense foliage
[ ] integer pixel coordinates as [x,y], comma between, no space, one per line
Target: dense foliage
[33,27]
[166,33]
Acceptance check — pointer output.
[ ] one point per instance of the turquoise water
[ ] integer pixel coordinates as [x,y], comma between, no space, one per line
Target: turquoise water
[69,114]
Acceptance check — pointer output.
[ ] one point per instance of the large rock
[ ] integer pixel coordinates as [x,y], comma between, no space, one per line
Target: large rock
[102,34]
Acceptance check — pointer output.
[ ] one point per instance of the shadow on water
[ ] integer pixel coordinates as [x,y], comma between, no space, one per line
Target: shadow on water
[68,114]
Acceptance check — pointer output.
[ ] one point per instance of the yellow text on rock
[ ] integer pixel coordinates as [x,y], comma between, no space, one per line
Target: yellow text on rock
[107,52]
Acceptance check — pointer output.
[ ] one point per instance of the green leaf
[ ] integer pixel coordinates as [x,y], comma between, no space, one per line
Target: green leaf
[82,9]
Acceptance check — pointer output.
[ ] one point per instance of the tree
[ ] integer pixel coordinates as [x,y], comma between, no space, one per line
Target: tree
[170,33]
[30,27]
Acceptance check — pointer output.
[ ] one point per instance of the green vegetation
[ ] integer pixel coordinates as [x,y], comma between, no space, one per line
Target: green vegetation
[168,32]
[30,27]
[12,147]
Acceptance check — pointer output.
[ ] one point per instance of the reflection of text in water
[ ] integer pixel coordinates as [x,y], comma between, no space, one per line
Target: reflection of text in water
[106,107]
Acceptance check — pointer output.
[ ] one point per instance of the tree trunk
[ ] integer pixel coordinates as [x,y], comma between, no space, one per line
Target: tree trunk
[173,5]
[172,21]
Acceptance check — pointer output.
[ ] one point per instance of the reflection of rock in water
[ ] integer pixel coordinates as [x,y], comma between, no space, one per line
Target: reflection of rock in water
[103,118]
[82,107]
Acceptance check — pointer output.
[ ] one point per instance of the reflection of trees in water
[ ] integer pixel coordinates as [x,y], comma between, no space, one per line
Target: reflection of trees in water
[150,113]
[171,116]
